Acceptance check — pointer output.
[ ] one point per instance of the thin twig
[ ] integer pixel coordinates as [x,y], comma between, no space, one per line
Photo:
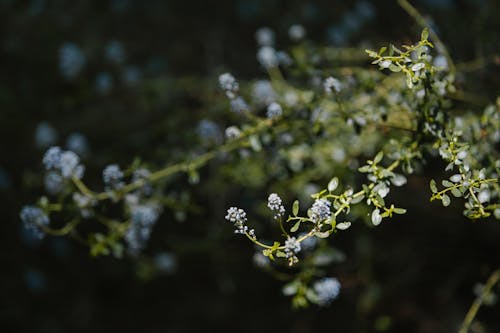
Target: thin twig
[471,314]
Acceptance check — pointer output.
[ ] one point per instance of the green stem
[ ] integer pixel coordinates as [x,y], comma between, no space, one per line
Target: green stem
[473,184]
[180,167]
[256,241]
[280,222]
[471,314]
[61,231]
[82,187]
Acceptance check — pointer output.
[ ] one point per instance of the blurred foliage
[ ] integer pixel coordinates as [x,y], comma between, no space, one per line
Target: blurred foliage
[413,274]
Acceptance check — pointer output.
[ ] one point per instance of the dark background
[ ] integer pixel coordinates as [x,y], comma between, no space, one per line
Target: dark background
[418,270]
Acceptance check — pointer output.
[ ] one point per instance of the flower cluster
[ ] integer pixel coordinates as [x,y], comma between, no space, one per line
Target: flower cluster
[292,247]
[61,166]
[296,32]
[267,57]
[331,85]
[232,132]
[326,290]
[274,110]
[78,143]
[239,218]
[115,52]
[84,204]
[238,105]
[34,219]
[72,60]
[45,135]
[265,36]
[275,204]
[228,83]
[320,210]
[65,163]
[112,176]
[143,218]
[166,262]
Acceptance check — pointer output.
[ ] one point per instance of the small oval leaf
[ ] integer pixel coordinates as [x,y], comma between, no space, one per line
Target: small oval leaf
[433,186]
[333,184]
[343,225]
[446,200]
[295,227]
[295,208]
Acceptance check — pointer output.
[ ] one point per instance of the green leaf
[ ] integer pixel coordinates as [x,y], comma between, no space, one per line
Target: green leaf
[446,200]
[344,225]
[395,49]
[425,34]
[299,302]
[409,81]
[376,198]
[376,217]
[322,234]
[447,183]
[295,227]
[433,186]
[378,158]
[332,221]
[280,254]
[394,68]
[371,53]
[307,96]
[255,143]
[382,50]
[268,253]
[364,168]
[332,185]
[295,207]
[357,199]
[193,177]
[456,192]
[399,210]
[291,288]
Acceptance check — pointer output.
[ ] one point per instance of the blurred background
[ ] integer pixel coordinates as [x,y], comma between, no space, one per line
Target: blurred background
[134,77]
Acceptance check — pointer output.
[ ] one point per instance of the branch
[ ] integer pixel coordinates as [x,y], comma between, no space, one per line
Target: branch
[471,314]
